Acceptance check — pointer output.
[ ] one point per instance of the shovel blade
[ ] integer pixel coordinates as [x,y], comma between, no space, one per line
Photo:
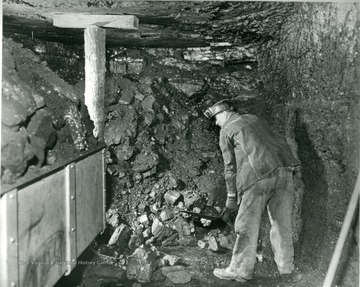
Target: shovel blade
[205,216]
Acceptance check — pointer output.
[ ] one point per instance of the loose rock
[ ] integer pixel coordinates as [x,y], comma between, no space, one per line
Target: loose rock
[145,161]
[121,127]
[136,240]
[213,244]
[113,217]
[141,264]
[166,214]
[227,241]
[172,196]
[147,103]
[172,259]
[127,97]
[176,274]
[202,244]
[121,235]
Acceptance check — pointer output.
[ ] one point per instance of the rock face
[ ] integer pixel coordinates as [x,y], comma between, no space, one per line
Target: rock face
[321,94]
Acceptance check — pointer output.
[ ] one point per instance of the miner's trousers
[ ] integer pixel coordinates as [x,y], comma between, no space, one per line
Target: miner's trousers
[276,192]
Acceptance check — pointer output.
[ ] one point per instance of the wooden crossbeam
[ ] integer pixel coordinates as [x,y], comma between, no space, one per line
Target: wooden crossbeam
[80,20]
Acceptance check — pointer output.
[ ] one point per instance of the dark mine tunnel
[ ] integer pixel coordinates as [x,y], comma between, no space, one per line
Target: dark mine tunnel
[112,173]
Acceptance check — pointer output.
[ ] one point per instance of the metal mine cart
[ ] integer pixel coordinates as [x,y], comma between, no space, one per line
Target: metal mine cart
[48,221]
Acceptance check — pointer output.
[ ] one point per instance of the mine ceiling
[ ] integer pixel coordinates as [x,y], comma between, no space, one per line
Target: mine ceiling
[161,23]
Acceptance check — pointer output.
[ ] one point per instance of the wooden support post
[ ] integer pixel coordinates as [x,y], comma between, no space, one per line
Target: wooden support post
[95,37]
[95,77]
[354,201]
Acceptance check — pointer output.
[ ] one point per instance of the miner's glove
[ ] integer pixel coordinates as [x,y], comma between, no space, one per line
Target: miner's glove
[231,202]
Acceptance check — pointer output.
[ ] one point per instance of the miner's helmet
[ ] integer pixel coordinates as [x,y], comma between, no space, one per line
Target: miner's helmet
[217,108]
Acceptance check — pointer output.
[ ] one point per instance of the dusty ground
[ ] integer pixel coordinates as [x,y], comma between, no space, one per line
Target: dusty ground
[199,262]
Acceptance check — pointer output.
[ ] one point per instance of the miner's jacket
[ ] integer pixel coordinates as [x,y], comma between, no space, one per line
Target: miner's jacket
[251,150]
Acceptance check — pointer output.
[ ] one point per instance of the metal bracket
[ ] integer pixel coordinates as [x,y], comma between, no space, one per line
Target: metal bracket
[70,228]
[9,264]
[104,187]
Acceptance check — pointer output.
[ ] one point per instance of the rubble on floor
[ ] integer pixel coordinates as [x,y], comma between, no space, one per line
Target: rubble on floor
[134,246]
[162,160]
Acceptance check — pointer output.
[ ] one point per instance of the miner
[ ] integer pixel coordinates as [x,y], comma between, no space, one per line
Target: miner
[258,171]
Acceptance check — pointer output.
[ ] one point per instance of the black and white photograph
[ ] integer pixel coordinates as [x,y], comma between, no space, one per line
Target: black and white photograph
[180,143]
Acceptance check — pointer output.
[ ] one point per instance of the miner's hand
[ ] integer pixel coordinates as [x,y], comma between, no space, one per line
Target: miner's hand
[229,217]
[231,203]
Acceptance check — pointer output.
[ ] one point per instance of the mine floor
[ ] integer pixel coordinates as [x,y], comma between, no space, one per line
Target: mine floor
[198,262]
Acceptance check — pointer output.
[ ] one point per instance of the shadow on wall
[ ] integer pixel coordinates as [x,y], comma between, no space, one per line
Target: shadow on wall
[314,214]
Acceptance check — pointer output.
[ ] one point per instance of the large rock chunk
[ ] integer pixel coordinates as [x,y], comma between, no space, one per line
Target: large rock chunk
[42,134]
[112,92]
[113,217]
[176,274]
[127,96]
[190,87]
[213,244]
[118,67]
[145,161]
[120,236]
[7,59]
[18,102]
[157,228]
[172,196]
[160,230]
[147,103]
[121,64]
[124,151]
[166,214]
[141,264]
[15,153]
[103,272]
[120,128]
[136,66]
[136,240]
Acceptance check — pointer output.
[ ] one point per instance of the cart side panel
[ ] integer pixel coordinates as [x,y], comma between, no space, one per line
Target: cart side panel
[89,200]
[41,230]
[9,241]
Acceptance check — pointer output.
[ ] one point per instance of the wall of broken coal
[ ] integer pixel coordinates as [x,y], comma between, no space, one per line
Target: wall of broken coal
[157,135]
[312,76]
[43,121]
